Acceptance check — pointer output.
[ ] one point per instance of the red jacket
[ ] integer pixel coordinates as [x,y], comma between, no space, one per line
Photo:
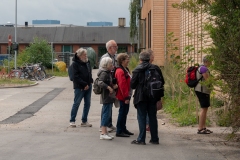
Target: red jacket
[123,81]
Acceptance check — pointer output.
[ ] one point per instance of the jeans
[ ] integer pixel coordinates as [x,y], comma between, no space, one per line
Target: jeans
[122,117]
[144,108]
[109,120]
[106,113]
[79,94]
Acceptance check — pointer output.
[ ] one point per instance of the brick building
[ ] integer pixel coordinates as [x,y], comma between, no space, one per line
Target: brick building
[69,39]
[158,18]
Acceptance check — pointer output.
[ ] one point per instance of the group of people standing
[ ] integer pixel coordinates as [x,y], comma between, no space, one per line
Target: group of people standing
[117,82]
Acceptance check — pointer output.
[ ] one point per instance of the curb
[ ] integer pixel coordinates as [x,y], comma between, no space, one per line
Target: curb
[50,78]
[36,83]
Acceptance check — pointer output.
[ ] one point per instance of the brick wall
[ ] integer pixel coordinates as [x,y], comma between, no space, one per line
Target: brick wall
[156,8]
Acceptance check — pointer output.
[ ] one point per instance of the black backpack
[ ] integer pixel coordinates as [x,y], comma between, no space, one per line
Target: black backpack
[153,84]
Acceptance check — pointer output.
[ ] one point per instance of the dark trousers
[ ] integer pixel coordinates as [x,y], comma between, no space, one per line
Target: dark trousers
[122,117]
[144,108]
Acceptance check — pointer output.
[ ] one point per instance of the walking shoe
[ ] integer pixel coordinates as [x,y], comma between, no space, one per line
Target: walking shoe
[110,135]
[148,129]
[112,129]
[152,142]
[122,135]
[128,133]
[100,129]
[86,124]
[105,136]
[72,124]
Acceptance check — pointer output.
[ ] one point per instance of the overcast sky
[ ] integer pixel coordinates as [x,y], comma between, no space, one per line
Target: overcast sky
[76,12]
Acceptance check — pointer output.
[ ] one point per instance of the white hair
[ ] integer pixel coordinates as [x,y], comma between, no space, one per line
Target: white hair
[80,51]
[109,43]
[104,63]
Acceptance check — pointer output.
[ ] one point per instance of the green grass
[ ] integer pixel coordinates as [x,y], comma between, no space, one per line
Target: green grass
[57,73]
[183,115]
[7,81]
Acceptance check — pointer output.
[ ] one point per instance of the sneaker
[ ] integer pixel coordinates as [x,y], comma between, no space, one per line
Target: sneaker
[105,136]
[72,124]
[112,129]
[100,129]
[110,135]
[86,124]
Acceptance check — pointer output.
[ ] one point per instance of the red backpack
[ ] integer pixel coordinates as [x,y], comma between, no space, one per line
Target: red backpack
[191,76]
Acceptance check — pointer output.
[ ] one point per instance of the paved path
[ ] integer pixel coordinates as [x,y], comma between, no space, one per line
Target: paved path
[34,125]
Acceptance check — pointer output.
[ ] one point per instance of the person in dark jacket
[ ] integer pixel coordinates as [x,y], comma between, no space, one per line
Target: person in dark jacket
[107,96]
[82,84]
[124,94]
[144,104]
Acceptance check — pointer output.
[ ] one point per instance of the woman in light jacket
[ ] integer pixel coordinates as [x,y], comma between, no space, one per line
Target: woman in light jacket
[107,96]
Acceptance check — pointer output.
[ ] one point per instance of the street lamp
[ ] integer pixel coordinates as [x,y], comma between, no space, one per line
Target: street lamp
[15,65]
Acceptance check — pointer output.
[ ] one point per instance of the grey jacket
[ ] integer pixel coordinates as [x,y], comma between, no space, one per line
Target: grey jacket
[105,80]
[200,87]
[114,58]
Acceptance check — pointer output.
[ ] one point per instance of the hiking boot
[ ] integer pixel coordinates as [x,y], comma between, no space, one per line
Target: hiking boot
[153,142]
[72,124]
[122,135]
[105,136]
[128,133]
[86,124]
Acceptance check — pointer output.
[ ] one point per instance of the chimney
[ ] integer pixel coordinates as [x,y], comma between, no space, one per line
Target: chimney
[26,24]
[121,22]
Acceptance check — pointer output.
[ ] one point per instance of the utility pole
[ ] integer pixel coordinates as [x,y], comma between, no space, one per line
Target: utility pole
[15,56]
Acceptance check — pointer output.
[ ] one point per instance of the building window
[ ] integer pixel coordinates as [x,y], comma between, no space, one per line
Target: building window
[142,33]
[149,29]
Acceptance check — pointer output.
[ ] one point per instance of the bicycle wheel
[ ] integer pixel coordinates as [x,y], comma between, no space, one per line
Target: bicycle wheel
[42,75]
[14,74]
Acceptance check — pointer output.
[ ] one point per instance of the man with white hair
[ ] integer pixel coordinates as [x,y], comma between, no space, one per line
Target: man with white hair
[112,48]
[82,84]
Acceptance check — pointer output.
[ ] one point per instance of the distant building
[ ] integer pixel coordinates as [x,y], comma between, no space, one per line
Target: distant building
[45,22]
[95,24]
[8,24]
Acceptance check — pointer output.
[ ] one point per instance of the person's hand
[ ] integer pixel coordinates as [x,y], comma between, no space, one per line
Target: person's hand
[86,88]
[115,86]
[127,101]
[110,89]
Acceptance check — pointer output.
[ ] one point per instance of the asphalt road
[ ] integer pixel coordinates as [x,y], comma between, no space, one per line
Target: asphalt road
[34,125]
